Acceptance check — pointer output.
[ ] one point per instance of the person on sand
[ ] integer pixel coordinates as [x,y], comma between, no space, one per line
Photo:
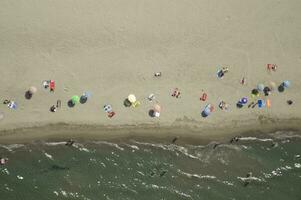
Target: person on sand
[222,72]
[53,108]
[243,81]
[69,143]
[6,101]
[176,93]
[58,103]
[234,139]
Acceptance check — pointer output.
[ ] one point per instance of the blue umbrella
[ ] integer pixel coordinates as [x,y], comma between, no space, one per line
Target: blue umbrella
[244,100]
[260,87]
[286,84]
[207,110]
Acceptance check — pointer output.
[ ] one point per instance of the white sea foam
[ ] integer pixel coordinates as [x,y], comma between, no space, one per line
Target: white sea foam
[12,147]
[297,165]
[256,139]
[110,144]
[80,147]
[182,194]
[133,147]
[48,156]
[196,175]
[251,178]
[55,143]
[5,171]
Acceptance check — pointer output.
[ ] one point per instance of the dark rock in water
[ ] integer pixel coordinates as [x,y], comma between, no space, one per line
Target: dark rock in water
[163,173]
[57,167]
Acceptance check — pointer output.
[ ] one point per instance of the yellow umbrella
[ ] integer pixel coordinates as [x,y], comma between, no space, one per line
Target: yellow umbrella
[131,98]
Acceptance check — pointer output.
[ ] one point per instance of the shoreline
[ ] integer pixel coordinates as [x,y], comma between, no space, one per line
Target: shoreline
[149,132]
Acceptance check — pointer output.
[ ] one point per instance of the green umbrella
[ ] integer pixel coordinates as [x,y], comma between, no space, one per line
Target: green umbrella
[75,99]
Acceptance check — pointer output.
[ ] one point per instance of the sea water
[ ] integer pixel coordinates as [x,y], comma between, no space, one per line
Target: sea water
[261,167]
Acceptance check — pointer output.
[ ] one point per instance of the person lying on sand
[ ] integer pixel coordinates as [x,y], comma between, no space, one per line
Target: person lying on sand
[176,93]
[53,108]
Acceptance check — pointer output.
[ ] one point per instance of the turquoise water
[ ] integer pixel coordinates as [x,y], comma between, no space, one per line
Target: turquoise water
[140,170]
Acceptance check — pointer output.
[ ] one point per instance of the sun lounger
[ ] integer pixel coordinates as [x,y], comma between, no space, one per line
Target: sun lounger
[261,103]
[52,85]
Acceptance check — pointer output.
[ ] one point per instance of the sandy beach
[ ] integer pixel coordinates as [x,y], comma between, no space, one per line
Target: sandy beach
[113,49]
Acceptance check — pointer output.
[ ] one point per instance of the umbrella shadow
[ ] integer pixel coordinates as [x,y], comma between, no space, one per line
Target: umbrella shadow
[281,88]
[70,104]
[28,95]
[83,99]
[204,114]
[127,103]
[239,105]
[151,113]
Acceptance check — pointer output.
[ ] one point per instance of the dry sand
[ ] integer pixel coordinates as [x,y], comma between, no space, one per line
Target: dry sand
[113,48]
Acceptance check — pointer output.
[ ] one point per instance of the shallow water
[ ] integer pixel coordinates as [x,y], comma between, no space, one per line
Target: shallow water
[138,170]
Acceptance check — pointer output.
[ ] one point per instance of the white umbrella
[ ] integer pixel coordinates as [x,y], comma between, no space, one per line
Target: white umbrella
[132,98]
[157,108]
[272,85]
[32,90]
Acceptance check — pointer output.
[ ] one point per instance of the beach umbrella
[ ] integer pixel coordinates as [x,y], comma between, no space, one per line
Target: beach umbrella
[286,84]
[255,92]
[260,87]
[32,90]
[131,98]
[207,110]
[244,100]
[75,99]
[157,108]
[266,91]
[272,85]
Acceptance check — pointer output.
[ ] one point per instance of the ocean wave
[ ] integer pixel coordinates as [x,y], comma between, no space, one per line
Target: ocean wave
[251,178]
[133,146]
[171,148]
[81,147]
[256,139]
[285,135]
[280,171]
[297,165]
[48,156]
[110,144]
[12,147]
[55,143]
[196,175]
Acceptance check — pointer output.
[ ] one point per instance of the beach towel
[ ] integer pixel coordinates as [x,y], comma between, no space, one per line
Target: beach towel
[52,85]
[111,114]
[268,103]
[136,104]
